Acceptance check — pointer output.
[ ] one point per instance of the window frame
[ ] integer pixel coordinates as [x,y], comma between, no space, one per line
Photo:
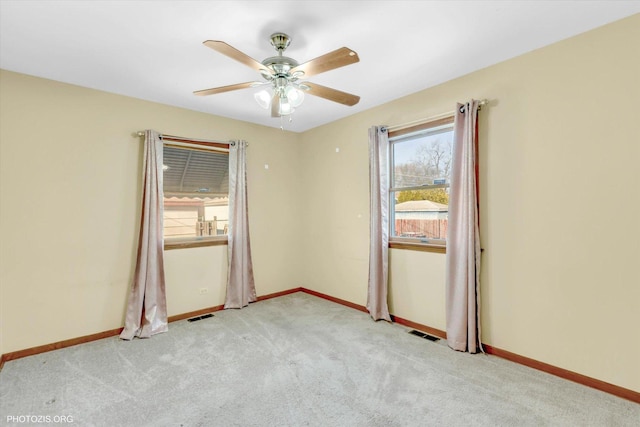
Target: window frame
[410,243]
[196,241]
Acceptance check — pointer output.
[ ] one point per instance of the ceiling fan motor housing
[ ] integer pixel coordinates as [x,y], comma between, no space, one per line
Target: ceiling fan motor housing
[280,64]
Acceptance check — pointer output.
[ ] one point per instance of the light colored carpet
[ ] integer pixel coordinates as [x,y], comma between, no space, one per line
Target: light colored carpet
[295,360]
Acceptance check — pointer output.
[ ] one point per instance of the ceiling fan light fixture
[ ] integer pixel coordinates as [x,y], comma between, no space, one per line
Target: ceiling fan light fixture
[263,98]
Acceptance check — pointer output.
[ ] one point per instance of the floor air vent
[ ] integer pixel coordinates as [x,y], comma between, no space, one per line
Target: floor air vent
[423,335]
[204,316]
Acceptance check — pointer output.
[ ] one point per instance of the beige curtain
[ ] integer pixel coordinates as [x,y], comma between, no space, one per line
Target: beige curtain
[241,289]
[463,239]
[147,304]
[379,223]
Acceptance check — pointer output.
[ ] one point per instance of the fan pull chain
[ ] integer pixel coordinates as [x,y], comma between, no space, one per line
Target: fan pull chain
[282,124]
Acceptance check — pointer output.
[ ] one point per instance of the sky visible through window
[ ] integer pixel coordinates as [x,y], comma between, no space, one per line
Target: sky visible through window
[422,159]
[409,149]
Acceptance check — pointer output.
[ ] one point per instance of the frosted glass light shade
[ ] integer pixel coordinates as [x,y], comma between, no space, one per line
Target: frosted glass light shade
[263,98]
[285,107]
[294,95]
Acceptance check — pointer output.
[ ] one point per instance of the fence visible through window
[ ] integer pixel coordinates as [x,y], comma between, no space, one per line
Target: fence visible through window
[422,228]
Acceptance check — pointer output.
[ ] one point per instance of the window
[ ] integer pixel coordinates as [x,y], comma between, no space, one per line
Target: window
[196,194]
[420,159]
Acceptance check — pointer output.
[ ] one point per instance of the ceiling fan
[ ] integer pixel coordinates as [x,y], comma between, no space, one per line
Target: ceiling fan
[283,76]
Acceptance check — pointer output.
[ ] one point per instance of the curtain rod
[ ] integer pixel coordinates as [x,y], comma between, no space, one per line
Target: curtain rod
[195,141]
[432,118]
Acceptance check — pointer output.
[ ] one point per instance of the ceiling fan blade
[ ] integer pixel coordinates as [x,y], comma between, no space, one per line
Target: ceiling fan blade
[330,61]
[222,89]
[275,105]
[332,94]
[234,53]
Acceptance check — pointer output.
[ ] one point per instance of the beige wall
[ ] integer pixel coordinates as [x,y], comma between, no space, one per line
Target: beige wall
[69,184]
[560,205]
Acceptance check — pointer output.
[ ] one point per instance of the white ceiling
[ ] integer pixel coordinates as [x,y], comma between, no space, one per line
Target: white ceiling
[153,50]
